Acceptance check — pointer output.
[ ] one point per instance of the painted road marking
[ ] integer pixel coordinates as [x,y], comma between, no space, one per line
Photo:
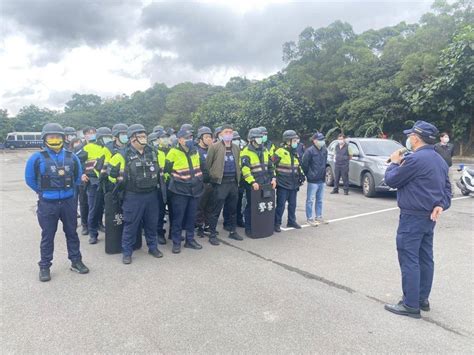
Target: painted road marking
[365,214]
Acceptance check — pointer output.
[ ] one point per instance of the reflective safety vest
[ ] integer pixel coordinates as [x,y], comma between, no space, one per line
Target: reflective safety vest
[270,147]
[185,172]
[256,165]
[95,157]
[140,172]
[287,167]
[56,176]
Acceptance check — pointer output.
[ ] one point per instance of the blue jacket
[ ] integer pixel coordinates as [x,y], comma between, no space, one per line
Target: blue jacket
[35,165]
[314,164]
[422,182]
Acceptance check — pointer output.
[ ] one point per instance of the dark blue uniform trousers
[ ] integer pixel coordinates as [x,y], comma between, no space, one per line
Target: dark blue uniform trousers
[283,195]
[183,216]
[139,209]
[96,209]
[415,255]
[49,213]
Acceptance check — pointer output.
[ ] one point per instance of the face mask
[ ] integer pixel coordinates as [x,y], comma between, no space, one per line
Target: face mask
[189,143]
[227,137]
[106,140]
[264,139]
[259,140]
[123,138]
[445,139]
[91,137]
[320,144]
[294,145]
[164,142]
[408,144]
[341,141]
[54,143]
[156,143]
[142,141]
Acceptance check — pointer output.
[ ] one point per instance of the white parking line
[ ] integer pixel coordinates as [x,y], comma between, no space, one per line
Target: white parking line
[365,214]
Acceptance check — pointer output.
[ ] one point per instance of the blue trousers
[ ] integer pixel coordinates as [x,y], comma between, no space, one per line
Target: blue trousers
[283,195]
[96,209]
[415,256]
[314,200]
[49,213]
[139,209]
[183,217]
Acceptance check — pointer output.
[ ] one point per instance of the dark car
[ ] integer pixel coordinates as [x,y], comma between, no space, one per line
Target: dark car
[368,165]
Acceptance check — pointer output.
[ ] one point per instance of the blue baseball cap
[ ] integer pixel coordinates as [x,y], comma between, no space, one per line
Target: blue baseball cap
[318,135]
[424,129]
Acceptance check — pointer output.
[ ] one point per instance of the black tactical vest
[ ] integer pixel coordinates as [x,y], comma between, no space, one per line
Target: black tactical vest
[142,171]
[56,177]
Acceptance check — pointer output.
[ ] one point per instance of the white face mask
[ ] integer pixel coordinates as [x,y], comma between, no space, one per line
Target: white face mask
[123,138]
[341,141]
[445,139]
[408,144]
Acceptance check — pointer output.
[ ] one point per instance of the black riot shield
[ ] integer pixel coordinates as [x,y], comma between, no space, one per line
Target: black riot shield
[114,225]
[262,209]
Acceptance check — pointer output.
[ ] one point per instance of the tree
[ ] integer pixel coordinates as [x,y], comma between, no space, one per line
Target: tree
[6,125]
[450,93]
[82,102]
[32,118]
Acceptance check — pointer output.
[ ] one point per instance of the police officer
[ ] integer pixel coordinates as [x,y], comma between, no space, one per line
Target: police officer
[204,136]
[69,135]
[289,177]
[53,174]
[95,158]
[164,141]
[423,193]
[266,142]
[186,186]
[154,140]
[225,212]
[120,138]
[224,172]
[158,128]
[138,173]
[89,134]
[257,169]
[217,132]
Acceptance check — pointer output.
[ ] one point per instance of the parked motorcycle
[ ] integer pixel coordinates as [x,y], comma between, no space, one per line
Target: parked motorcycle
[466,181]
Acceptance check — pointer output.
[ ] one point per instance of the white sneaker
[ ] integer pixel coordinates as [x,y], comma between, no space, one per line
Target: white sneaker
[312,223]
[320,220]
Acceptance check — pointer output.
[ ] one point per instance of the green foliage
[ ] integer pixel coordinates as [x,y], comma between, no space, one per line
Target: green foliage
[6,125]
[379,81]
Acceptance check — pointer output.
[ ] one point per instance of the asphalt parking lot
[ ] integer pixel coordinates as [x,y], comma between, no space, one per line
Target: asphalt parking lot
[312,290]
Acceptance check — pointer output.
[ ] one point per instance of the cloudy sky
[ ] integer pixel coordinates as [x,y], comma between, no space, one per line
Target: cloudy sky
[50,49]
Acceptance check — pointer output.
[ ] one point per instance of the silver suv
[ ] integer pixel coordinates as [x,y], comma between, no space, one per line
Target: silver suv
[368,164]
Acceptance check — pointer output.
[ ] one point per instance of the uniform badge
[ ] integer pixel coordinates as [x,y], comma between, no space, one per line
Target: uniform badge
[61,171]
[152,168]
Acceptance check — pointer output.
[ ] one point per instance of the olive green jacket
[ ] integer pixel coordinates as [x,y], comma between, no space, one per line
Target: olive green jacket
[215,161]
